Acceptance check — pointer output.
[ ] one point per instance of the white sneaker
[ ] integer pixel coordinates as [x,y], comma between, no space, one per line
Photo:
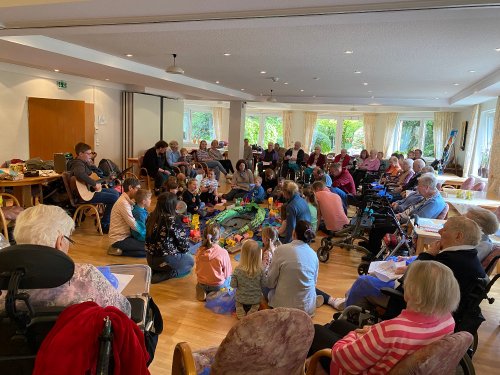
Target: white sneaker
[337,303]
[320,300]
[114,251]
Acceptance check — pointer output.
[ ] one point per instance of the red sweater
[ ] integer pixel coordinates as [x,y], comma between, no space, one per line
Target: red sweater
[344,182]
[345,162]
[387,343]
[72,346]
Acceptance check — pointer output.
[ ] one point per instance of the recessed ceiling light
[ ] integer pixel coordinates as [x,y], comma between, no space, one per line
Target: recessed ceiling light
[285,83]
[472,71]
[373,97]
[242,89]
[436,98]
[217,82]
[106,79]
[497,49]
[370,90]
[263,72]
[301,90]
[348,52]
[365,83]
[129,55]
[227,54]
[456,84]
[357,72]
[316,78]
[56,70]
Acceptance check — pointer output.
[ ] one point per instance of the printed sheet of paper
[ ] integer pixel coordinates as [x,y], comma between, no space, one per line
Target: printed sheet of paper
[385,270]
[123,281]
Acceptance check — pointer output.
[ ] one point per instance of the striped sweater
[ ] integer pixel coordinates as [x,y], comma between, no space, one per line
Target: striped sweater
[388,342]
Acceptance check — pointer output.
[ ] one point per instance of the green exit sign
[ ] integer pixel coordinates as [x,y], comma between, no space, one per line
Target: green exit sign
[62,84]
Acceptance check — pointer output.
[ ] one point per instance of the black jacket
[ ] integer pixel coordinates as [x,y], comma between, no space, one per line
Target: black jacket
[152,163]
[300,155]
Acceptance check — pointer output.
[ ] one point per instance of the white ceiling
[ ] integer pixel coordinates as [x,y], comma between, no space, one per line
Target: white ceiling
[410,53]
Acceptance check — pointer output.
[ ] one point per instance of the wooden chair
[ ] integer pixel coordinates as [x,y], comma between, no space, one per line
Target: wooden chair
[267,342]
[8,214]
[144,177]
[480,186]
[441,357]
[467,184]
[81,206]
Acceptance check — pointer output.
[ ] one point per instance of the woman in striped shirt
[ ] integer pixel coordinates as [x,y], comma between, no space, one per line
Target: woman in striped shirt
[431,293]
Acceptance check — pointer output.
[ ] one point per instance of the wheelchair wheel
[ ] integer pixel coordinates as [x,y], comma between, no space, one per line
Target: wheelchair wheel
[465,366]
[325,242]
[323,254]
[363,268]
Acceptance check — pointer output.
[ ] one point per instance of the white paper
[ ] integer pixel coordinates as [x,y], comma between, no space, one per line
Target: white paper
[385,270]
[429,225]
[123,281]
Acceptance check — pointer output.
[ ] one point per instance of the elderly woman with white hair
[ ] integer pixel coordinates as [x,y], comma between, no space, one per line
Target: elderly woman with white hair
[407,172]
[488,222]
[431,293]
[51,226]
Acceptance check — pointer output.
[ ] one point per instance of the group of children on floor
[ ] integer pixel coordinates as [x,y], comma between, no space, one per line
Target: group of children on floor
[214,271]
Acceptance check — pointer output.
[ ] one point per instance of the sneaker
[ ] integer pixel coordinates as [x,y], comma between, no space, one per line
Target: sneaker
[114,251]
[337,303]
[201,295]
[320,300]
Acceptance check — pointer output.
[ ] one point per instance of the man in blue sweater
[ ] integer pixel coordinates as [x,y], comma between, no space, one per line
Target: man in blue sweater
[296,209]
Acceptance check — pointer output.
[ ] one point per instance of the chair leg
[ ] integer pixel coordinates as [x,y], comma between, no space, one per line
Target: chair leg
[77,217]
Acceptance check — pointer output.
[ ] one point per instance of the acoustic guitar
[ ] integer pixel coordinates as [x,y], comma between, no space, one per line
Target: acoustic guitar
[83,190]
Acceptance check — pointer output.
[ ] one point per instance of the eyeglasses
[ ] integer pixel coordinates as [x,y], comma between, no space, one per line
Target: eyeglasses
[70,240]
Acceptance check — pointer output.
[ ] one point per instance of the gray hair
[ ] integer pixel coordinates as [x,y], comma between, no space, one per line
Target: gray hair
[487,220]
[419,162]
[290,188]
[428,179]
[42,224]
[470,230]
[427,169]
[409,162]
[431,288]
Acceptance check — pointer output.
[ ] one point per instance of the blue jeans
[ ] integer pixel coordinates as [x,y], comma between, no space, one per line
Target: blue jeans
[343,196]
[131,247]
[216,166]
[181,263]
[108,197]
[215,288]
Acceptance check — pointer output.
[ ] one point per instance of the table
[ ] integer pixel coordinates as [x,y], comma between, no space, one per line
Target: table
[462,205]
[450,179]
[131,162]
[425,237]
[22,188]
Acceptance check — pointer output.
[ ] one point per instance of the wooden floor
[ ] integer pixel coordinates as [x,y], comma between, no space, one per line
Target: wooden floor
[186,319]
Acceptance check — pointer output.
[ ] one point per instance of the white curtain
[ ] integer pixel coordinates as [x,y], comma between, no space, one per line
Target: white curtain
[443,123]
[309,125]
[494,173]
[369,123]
[391,121]
[217,121]
[471,141]
[287,126]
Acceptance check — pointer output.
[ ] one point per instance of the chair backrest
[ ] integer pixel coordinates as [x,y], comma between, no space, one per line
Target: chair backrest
[440,357]
[467,184]
[72,193]
[444,214]
[267,342]
[480,186]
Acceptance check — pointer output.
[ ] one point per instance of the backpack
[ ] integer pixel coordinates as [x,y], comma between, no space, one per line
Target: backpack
[109,168]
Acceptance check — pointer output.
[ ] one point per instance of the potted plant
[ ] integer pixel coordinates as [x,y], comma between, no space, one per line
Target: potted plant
[485,162]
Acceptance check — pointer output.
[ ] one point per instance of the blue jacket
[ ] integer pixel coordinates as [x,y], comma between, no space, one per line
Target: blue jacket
[431,208]
[140,215]
[257,194]
[296,209]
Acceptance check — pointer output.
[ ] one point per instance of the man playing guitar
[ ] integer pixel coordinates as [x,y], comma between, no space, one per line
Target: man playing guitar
[80,168]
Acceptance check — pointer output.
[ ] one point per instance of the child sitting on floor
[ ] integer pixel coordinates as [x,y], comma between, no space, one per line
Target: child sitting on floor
[192,198]
[213,265]
[282,229]
[270,242]
[310,198]
[140,213]
[181,182]
[277,193]
[208,187]
[248,279]
[187,158]
[257,193]
[269,182]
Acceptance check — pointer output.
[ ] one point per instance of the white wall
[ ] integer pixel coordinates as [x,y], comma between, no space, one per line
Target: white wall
[173,117]
[146,122]
[19,83]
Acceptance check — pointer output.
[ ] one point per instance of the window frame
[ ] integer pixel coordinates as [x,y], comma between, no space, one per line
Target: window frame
[484,118]
[421,136]
[340,118]
[189,130]
[262,123]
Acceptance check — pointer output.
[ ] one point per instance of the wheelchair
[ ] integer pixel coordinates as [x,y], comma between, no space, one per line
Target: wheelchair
[23,327]
[355,230]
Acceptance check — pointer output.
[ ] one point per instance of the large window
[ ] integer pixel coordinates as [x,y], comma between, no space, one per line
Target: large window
[261,128]
[335,133]
[482,151]
[198,125]
[412,133]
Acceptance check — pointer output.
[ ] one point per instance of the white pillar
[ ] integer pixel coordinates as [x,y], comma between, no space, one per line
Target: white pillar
[236,130]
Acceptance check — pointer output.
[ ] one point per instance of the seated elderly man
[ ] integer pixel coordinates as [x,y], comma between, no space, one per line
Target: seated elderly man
[488,222]
[292,161]
[51,226]
[430,207]
[456,249]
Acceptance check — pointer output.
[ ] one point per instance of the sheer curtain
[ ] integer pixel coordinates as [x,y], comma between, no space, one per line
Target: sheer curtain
[494,174]
[390,125]
[217,121]
[287,126]
[471,141]
[369,123]
[443,123]
[310,124]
